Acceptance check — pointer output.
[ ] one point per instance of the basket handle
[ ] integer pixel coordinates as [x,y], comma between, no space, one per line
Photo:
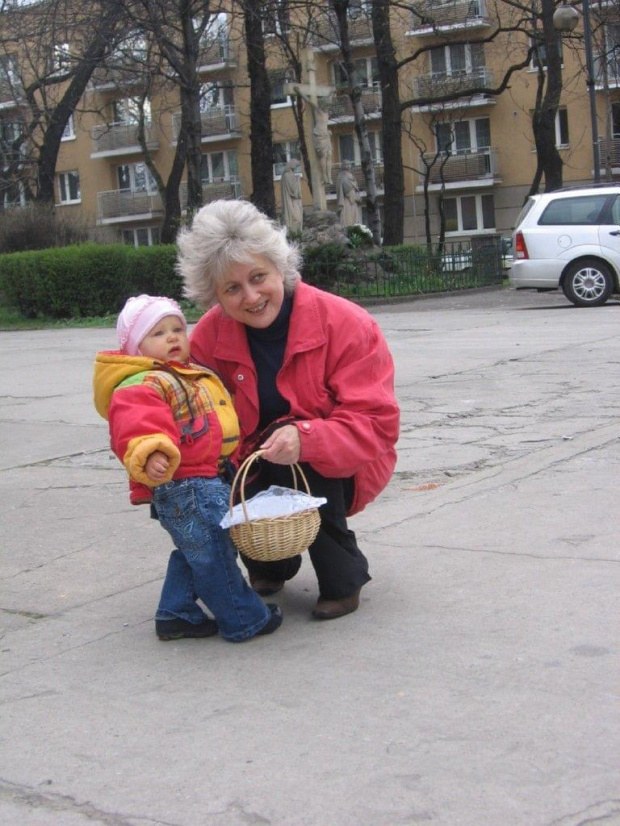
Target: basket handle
[241,475]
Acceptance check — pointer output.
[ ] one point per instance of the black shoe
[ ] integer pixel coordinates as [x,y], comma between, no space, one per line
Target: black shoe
[266,587]
[274,621]
[179,629]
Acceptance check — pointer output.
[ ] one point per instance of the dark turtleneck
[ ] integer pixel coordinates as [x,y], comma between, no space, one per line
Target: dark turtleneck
[267,348]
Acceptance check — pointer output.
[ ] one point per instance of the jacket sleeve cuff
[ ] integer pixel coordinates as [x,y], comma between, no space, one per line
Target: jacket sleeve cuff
[138,452]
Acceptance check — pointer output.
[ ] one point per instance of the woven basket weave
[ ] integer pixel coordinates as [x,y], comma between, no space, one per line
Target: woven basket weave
[281,537]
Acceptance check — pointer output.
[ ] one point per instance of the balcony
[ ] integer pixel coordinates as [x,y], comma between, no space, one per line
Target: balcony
[120,139]
[431,16]
[216,191]
[341,108]
[436,85]
[609,153]
[216,55]
[476,167]
[11,94]
[216,124]
[324,36]
[118,205]
[330,189]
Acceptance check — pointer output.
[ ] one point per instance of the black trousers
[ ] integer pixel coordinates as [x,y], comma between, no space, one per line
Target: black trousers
[341,568]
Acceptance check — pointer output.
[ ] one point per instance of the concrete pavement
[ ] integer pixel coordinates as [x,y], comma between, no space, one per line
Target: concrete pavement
[476,686]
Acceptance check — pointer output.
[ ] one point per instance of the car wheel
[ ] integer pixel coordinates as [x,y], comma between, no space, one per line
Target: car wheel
[588,283]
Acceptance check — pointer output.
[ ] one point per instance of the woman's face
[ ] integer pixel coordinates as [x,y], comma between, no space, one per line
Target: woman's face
[252,293]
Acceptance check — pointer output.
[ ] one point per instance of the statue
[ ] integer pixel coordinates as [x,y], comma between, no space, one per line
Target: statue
[292,209]
[322,141]
[348,196]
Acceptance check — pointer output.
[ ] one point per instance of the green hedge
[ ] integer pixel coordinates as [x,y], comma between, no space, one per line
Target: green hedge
[85,280]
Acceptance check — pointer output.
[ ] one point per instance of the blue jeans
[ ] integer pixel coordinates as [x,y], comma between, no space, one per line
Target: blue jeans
[204,564]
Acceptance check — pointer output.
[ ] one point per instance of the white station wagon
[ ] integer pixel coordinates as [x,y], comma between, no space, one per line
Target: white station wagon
[570,239]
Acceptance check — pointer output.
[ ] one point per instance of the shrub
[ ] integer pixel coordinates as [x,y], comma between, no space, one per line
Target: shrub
[323,263]
[85,280]
[37,227]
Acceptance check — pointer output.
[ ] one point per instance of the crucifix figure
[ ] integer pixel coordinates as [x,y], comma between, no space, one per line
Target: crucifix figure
[320,149]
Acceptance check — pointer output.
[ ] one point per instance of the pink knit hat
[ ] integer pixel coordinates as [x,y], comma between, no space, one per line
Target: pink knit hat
[139,315]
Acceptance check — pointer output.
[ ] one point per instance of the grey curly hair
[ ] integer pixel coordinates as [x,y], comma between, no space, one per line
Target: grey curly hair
[224,233]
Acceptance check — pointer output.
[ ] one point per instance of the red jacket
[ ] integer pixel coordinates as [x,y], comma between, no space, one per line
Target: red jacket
[338,377]
[183,411]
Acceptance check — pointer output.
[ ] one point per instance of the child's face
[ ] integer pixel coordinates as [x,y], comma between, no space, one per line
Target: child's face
[166,341]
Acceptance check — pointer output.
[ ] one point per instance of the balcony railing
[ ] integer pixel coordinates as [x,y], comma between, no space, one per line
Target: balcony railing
[116,137]
[216,53]
[10,93]
[219,190]
[463,166]
[330,189]
[325,31]
[341,106]
[430,15]
[610,150]
[436,85]
[216,122]
[122,204]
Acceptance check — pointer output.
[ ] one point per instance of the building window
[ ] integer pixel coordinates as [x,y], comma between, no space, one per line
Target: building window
[69,188]
[469,213]
[464,136]
[219,166]
[128,110]
[135,177]
[539,57]
[215,95]
[276,17]
[60,58]
[366,73]
[12,194]
[457,59]
[141,236]
[69,133]
[282,154]
[277,80]
[349,148]
[561,128]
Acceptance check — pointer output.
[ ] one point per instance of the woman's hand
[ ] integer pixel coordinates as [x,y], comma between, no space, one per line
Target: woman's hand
[283,447]
[157,466]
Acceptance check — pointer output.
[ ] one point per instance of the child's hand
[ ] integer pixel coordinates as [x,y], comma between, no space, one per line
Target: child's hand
[157,466]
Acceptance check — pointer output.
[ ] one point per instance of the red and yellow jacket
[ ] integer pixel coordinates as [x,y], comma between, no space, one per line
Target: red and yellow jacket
[182,410]
[338,377]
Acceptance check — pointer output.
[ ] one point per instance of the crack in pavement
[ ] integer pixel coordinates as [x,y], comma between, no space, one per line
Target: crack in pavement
[55,802]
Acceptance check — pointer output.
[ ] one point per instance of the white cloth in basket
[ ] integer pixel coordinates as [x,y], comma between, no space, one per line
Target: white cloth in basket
[271,503]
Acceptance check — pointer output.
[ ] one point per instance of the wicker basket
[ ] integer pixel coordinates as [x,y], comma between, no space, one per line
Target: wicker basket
[281,537]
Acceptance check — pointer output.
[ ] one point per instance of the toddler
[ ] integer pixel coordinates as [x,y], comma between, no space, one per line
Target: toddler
[173,426]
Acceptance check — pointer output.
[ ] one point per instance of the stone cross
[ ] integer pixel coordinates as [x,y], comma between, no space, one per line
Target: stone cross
[317,96]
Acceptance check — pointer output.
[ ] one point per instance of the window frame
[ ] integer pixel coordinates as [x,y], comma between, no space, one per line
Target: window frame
[479,208]
[64,187]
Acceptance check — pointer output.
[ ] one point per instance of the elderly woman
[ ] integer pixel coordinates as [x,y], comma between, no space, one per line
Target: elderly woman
[312,380]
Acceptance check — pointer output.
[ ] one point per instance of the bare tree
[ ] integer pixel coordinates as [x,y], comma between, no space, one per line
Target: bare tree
[52,49]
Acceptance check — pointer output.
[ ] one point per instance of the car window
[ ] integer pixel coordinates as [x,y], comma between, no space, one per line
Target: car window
[615,211]
[584,209]
[524,210]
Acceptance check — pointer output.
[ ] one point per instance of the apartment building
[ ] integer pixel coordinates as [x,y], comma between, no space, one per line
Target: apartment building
[478,148]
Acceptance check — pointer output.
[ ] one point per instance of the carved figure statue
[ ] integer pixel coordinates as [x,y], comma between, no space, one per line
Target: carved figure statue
[322,142]
[292,208]
[348,196]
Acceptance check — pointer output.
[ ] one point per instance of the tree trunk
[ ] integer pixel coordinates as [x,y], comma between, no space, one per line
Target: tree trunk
[50,145]
[391,118]
[543,120]
[261,140]
[355,93]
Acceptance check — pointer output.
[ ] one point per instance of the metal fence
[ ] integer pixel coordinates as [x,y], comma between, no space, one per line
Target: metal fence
[406,271]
